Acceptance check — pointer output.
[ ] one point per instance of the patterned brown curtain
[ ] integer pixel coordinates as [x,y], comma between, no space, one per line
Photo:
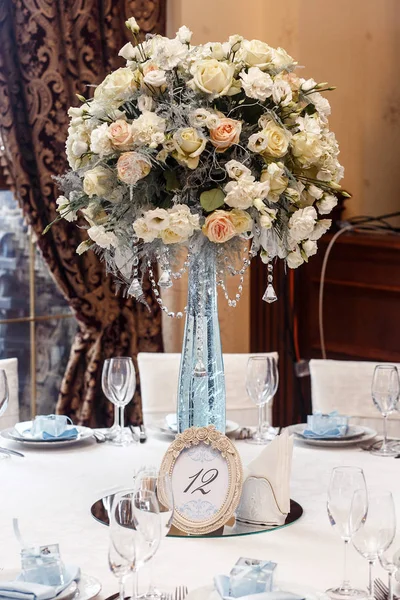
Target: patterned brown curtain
[49,51]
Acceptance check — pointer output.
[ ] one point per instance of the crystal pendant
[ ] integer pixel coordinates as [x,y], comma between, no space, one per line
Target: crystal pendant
[269,294]
[135,289]
[199,369]
[165,280]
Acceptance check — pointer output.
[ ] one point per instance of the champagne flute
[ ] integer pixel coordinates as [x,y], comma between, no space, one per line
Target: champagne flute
[122,549]
[378,526]
[148,526]
[385,395]
[159,483]
[119,384]
[261,384]
[345,481]
[4,397]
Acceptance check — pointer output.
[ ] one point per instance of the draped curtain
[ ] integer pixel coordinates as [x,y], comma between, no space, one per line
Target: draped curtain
[49,51]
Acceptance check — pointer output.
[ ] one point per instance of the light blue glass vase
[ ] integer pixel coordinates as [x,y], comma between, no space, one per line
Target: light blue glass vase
[201,388]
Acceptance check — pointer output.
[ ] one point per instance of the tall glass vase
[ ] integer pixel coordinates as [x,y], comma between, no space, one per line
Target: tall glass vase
[201,388]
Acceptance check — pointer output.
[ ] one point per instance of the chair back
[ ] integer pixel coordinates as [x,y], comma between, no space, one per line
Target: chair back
[345,386]
[11,415]
[159,374]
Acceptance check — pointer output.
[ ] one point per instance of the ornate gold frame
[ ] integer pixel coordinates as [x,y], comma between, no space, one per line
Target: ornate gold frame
[218,441]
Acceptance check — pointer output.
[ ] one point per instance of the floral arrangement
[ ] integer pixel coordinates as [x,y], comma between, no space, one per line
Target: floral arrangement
[221,142]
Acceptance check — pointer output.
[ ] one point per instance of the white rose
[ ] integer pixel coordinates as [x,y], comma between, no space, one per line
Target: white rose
[236,169]
[145,103]
[277,180]
[306,147]
[97,182]
[64,208]
[258,54]
[169,53]
[294,259]
[155,78]
[101,237]
[79,147]
[326,204]
[310,248]
[157,219]
[184,34]
[132,24]
[142,230]
[212,77]
[302,223]
[212,121]
[100,142]
[117,86]
[320,228]
[256,84]
[189,144]
[198,117]
[128,52]
[282,60]
[181,225]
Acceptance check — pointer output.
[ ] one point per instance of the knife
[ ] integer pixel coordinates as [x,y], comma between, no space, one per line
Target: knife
[142,434]
[12,452]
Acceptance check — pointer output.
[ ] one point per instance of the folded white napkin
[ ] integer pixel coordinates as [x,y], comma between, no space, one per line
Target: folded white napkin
[266,489]
[221,585]
[172,421]
[23,429]
[24,590]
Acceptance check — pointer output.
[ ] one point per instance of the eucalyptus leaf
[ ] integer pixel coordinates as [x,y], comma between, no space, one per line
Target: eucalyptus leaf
[212,199]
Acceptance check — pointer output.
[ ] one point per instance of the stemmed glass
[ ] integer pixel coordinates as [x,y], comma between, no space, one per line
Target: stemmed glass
[377,526]
[345,481]
[159,483]
[119,383]
[389,563]
[4,396]
[261,384]
[122,550]
[385,395]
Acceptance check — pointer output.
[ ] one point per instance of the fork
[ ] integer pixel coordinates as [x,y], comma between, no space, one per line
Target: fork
[180,592]
[382,590]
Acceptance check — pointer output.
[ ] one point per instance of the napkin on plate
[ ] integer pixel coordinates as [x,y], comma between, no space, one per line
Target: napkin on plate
[221,583]
[172,422]
[326,426]
[266,489]
[24,590]
[24,430]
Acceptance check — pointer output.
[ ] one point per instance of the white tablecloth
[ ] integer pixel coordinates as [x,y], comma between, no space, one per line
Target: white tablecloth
[52,491]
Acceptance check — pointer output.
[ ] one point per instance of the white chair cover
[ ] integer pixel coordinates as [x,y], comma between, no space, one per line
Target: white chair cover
[11,415]
[345,386]
[159,375]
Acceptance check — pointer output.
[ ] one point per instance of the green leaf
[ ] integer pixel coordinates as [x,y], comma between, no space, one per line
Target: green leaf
[172,182]
[212,199]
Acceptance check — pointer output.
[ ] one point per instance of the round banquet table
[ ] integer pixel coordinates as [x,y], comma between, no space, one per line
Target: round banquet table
[51,492]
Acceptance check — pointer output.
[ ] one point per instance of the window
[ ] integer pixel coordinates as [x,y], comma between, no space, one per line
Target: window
[36,324]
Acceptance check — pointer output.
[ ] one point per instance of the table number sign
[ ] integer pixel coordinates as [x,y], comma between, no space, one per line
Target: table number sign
[206,473]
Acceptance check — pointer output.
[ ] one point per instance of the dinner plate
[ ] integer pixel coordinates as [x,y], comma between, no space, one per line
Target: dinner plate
[368,435]
[353,431]
[84,433]
[86,588]
[210,593]
[162,428]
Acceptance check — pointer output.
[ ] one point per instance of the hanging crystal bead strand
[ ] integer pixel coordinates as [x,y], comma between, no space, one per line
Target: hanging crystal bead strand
[270,294]
[156,293]
[165,280]
[241,272]
[135,289]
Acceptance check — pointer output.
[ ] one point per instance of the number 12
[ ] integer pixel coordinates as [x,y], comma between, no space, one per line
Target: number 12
[212,475]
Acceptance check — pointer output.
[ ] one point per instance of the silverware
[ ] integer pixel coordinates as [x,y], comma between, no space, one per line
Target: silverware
[142,434]
[180,592]
[11,452]
[369,447]
[99,437]
[135,436]
[382,590]
[244,433]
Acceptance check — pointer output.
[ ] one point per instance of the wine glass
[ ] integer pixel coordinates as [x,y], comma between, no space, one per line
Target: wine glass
[377,527]
[159,483]
[345,481]
[122,549]
[388,561]
[261,384]
[385,395]
[119,384]
[4,397]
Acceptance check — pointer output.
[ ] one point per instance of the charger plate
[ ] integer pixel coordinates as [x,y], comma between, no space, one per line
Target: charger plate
[210,593]
[367,435]
[86,588]
[84,433]
[100,509]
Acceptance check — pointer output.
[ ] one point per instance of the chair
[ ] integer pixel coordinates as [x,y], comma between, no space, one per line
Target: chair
[345,386]
[159,375]
[11,415]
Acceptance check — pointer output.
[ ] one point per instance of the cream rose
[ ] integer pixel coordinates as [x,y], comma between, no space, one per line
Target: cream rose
[258,54]
[189,144]
[120,133]
[277,181]
[97,182]
[212,77]
[241,220]
[306,147]
[117,86]
[133,166]
[155,78]
[277,140]
[143,231]
[225,134]
[218,227]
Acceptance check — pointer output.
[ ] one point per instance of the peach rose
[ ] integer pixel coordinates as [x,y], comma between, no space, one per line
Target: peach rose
[120,133]
[133,166]
[225,134]
[218,227]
